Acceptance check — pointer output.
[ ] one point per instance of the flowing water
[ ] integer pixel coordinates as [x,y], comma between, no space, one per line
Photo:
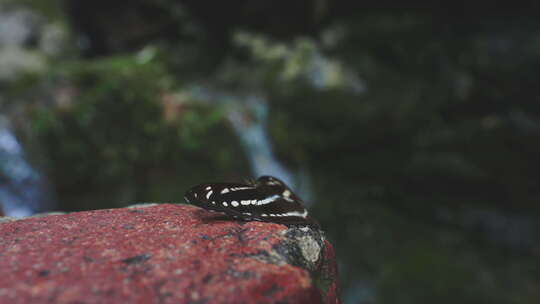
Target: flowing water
[23,191]
[248,116]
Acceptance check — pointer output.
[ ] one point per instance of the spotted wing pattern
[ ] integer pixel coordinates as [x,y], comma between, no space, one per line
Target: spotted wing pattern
[267,199]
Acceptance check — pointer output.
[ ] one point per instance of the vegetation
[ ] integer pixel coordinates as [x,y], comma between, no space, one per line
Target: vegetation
[420,131]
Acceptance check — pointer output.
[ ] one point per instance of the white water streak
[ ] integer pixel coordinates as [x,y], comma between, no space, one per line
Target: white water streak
[22,189]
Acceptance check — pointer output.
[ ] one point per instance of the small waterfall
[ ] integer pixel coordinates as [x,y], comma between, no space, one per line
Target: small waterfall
[22,189]
[249,124]
[248,116]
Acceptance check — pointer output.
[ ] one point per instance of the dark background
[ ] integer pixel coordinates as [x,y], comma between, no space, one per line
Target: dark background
[411,129]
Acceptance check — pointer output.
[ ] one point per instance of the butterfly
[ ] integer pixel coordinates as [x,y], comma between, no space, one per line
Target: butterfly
[267,199]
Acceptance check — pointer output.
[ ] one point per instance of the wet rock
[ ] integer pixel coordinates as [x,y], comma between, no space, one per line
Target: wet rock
[162,253]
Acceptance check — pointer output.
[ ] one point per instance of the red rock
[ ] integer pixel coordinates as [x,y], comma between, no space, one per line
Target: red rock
[162,253]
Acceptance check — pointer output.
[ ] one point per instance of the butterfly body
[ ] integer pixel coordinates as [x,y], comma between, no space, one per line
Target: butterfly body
[267,199]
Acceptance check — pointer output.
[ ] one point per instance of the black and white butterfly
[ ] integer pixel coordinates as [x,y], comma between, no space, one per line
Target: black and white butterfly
[267,199]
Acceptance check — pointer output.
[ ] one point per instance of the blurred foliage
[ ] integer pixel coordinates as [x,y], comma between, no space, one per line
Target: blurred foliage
[428,276]
[409,121]
[89,135]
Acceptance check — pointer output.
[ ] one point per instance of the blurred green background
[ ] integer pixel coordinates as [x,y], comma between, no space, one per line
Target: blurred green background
[411,131]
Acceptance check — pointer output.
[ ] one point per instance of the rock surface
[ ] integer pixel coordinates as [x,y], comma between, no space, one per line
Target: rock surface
[162,254]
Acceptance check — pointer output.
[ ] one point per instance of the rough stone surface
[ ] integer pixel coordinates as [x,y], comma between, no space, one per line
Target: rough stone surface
[162,254]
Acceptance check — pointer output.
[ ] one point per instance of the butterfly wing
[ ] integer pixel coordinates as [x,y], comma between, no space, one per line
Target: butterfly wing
[269,199]
[279,204]
[212,196]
